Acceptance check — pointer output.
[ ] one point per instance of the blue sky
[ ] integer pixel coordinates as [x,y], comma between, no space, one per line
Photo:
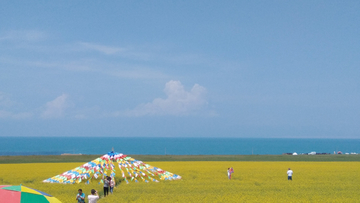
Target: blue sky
[284,69]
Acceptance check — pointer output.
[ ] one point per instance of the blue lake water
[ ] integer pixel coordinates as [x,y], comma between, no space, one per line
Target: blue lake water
[174,146]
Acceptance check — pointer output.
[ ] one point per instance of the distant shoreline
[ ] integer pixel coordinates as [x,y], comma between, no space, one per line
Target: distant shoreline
[190,137]
[159,158]
[173,146]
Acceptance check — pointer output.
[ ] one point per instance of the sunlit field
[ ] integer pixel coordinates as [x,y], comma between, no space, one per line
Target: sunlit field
[207,182]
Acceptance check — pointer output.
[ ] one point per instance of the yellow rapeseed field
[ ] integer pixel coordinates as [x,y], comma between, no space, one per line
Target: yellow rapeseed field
[207,182]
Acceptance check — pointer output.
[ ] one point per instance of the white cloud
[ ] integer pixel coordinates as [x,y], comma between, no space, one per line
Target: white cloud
[119,70]
[8,114]
[23,35]
[178,101]
[5,114]
[137,73]
[57,107]
[6,110]
[102,48]
[5,100]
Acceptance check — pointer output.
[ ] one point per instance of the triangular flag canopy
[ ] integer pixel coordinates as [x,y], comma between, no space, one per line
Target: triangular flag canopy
[131,170]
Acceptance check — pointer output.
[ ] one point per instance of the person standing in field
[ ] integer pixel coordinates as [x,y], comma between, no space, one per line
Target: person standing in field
[80,197]
[93,198]
[106,186]
[230,171]
[289,172]
[112,184]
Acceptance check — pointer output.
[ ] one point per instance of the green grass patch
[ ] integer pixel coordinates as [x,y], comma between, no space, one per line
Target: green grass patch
[147,158]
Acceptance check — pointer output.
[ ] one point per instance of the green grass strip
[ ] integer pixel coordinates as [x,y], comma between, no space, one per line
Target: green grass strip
[147,158]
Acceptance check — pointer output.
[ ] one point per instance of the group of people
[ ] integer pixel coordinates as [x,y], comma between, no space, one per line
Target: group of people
[231,170]
[108,183]
[93,198]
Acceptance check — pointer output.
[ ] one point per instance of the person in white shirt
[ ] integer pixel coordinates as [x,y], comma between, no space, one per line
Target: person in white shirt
[112,184]
[230,171]
[93,198]
[289,172]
